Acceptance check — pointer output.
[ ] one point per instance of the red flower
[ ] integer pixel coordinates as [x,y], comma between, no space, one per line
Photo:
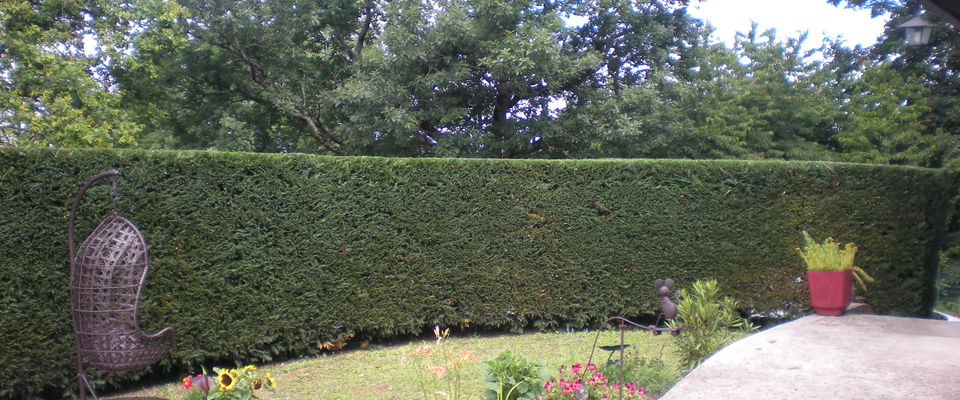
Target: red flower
[187,382]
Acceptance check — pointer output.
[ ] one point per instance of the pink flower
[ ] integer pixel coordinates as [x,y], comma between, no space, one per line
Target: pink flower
[598,376]
[591,382]
[563,368]
[575,368]
[591,367]
[548,385]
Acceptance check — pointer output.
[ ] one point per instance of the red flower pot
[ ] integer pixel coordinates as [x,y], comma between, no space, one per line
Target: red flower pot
[830,291]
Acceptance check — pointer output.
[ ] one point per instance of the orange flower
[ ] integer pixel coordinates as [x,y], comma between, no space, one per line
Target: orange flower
[423,351]
[420,352]
[438,371]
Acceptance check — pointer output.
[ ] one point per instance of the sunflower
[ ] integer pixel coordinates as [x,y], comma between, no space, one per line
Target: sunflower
[249,368]
[271,384]
[227,380]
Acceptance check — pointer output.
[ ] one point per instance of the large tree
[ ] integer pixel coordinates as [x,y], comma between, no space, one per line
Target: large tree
[261,75]
[937,64]
[55,87]
[404,77]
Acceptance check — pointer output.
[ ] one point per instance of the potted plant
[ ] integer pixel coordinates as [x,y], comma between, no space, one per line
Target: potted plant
[830,274]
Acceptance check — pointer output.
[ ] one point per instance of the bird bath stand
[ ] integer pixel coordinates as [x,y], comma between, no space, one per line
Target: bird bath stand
[664,288]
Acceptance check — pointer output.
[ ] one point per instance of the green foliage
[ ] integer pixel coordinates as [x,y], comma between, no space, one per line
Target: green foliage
[407,77]
[935,66]
[287,252]
[512,377]
[828,256]
[648,372]
[948,289]
[884,115]
[446,364]
[463,78]
[706,320]
[230,384]
[54,90]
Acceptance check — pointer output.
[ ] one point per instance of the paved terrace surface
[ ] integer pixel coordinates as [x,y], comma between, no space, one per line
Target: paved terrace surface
[856,356]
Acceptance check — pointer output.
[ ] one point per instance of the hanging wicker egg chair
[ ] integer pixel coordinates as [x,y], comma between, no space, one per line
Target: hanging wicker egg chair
[107,273]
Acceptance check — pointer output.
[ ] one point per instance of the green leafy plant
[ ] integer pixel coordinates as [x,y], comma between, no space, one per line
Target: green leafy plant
[649,372]
[570,385]
[228,384]
[829,256]
[705,320]
[444,363]
[512,377]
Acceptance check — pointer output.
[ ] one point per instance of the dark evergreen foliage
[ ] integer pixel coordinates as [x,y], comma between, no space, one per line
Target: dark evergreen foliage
[255,256]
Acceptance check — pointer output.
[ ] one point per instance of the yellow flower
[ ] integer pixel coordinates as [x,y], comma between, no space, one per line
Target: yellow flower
[271,384]
[249,368]
[227,380]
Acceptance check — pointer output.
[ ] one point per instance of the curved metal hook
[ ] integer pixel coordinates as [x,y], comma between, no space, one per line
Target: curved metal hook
[76,203]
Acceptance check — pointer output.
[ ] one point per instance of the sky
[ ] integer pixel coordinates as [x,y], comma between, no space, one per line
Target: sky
[790,18]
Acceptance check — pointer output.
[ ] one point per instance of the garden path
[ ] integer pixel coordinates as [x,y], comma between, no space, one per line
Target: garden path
[855,356]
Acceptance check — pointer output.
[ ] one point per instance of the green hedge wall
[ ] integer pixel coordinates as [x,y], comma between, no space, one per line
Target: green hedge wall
[258,255]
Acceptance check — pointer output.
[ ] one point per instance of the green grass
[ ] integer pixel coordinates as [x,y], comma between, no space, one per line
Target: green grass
[385,372]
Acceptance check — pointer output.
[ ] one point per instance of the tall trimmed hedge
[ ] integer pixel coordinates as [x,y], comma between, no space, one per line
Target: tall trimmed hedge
[255,255]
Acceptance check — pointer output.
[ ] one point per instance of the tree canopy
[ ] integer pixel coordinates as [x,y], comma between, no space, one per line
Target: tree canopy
[466,78]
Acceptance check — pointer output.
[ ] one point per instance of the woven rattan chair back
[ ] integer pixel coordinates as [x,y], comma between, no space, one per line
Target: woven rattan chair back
[107,274]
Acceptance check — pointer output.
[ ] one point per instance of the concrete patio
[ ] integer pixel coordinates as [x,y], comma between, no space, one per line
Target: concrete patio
[856,356]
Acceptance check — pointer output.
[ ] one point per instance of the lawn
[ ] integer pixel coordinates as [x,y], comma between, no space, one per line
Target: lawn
[387,372]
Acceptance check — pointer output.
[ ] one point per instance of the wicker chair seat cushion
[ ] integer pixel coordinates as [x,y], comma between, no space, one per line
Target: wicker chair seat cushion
[121,353]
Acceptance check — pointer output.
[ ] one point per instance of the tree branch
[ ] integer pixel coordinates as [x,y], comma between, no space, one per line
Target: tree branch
[362,35]
[315,129]
[254,66]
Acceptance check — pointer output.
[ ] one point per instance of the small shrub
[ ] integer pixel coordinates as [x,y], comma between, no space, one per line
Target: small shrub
[648,372]
[444,362]
[828,256]
[706,320]
[512,377]
[229,384]
[570,385]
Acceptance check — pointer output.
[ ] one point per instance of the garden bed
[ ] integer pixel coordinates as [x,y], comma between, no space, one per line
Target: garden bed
[387,372]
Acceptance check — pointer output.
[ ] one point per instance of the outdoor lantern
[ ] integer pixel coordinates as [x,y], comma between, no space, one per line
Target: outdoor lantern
[917,31]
